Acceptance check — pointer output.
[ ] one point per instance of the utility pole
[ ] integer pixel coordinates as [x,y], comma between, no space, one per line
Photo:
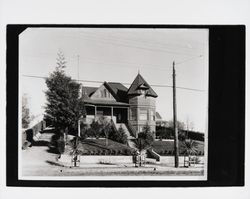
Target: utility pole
[78,122]
[176,144]
[79,128]
[78,67]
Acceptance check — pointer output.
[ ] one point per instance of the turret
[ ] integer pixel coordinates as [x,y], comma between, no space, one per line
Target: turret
[142,104]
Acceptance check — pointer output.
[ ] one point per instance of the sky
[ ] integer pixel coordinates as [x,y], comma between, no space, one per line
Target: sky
[117,55]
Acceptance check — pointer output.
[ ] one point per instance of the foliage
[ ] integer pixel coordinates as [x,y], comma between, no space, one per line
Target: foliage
[99,128]
[146,135]
[61,145]
[98,147]
[63,108]
[25,112]
[119,136]
[180,125]
[60,61]
[95,130]
[26,144]
[105,126]
[182,136]
[74,146]
[144,140]
[165,148]
[141,144]
[83,131]
[189,147]
[164,132]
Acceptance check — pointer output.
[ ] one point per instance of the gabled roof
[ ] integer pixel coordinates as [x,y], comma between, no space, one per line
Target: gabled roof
[140,83]
[88,91]
[118,90]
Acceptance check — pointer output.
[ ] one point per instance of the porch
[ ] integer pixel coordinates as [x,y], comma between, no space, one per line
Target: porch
[117,114]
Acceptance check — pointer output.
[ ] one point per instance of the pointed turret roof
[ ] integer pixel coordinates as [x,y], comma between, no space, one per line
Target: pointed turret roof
[138,84]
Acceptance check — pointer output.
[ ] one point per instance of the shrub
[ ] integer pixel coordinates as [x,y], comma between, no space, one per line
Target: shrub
[127,152]
[109,152]
[99,152]
[119,152]
[119,135]
[182,136]
[26,144]
[161,152]
[61,145]
[86,152]
[53,141]
[197,160]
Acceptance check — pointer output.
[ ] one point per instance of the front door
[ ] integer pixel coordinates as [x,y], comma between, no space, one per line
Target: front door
[121,115]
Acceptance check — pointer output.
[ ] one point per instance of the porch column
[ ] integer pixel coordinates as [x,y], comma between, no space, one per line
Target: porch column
[112,112]
[79,128]
[137,120]
[128,114]
[95,112]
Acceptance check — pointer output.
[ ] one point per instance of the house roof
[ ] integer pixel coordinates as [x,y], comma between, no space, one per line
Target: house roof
[90,90]
[118,90]
[140,83]
[105,102]
[158,116]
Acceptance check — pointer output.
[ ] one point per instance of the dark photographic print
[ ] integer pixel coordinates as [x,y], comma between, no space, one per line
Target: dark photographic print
[113,104]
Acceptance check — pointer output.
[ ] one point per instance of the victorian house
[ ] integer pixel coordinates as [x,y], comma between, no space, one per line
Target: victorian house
[130,108]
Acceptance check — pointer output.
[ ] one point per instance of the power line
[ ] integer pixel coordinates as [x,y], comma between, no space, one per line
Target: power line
[151,43]
[93,81]
[196,57]
[111,42]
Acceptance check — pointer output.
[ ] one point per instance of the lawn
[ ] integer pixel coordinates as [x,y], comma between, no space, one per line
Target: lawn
[99,147]
[167,147]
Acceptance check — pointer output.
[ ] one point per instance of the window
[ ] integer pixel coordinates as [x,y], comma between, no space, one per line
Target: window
[143,114]
[152,116]
[133,114]
[105,94]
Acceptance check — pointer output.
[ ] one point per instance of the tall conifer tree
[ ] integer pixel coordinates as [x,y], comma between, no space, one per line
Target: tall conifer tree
[64,107]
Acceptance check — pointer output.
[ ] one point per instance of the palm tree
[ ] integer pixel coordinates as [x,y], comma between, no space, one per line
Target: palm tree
[144,140]
[141,144]
[190,147]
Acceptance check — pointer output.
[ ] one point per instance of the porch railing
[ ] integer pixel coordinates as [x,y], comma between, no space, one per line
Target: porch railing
[152,154]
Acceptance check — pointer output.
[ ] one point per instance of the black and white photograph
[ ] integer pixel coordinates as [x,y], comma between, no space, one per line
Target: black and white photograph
[124,99]
[113,103]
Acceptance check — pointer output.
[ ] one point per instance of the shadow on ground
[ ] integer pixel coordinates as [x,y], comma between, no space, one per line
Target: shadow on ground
[52,150]
[40,143]
[54,163]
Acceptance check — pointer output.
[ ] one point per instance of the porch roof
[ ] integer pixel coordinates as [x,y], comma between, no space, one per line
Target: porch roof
[105,102]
